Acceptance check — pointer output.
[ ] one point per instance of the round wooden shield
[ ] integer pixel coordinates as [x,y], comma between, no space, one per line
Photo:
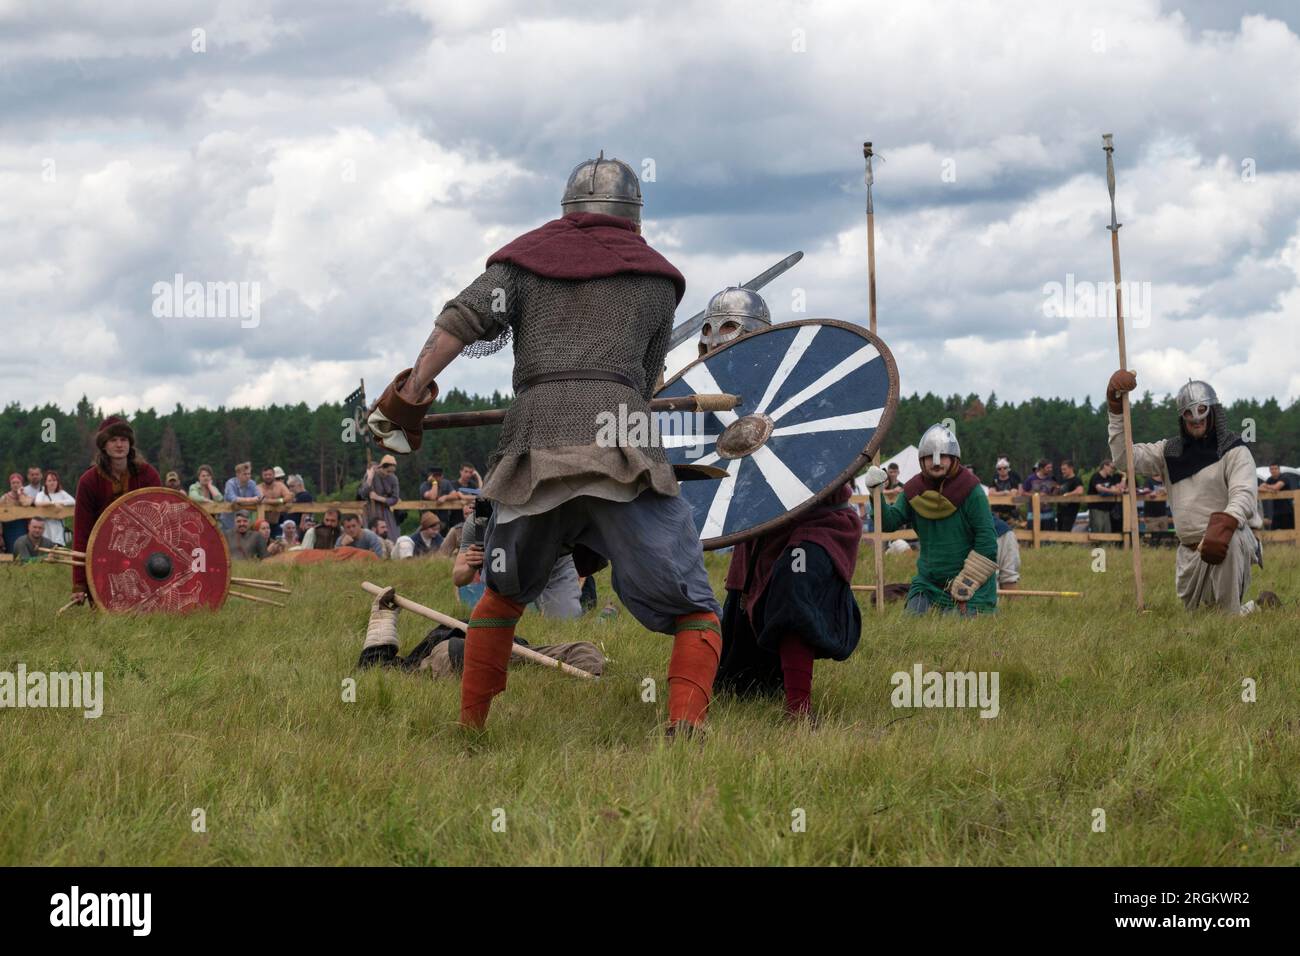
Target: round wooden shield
[817,398]
[154,549]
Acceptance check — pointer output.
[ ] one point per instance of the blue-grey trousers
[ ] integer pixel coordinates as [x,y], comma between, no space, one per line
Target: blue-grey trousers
[658,564]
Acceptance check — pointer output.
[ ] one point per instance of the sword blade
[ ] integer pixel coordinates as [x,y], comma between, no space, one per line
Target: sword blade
[691,326]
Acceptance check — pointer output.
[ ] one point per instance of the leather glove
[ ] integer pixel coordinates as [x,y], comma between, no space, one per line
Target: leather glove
[398,426]
[971,577]
[875,476]
[1214,546]
[1122,381]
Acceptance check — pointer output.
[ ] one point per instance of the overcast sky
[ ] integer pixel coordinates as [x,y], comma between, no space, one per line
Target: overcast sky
[359,161]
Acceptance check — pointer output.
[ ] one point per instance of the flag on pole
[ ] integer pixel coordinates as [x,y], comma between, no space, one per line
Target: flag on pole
[355,403]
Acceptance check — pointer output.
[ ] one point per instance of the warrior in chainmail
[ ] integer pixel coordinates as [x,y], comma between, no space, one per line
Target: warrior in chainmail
[789,596]
[588,305]
[1213,494]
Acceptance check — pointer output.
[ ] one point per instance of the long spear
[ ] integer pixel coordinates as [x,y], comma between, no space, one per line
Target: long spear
[877,518]
[1130,496]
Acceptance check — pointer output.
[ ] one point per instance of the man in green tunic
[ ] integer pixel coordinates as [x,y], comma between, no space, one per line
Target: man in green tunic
[949,511]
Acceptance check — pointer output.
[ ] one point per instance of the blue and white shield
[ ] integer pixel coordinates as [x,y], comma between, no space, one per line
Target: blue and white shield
[817,398]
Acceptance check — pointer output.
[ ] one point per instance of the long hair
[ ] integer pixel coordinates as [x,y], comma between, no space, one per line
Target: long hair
[133,461]
[58,482]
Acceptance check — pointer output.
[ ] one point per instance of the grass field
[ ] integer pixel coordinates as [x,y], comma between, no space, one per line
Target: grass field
[241,714]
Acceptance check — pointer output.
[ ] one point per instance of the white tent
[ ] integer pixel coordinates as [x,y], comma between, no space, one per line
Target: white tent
[1262,471]
[908,465]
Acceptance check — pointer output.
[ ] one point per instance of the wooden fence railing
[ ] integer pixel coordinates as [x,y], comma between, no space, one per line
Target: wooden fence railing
[12,512]
[1035,535]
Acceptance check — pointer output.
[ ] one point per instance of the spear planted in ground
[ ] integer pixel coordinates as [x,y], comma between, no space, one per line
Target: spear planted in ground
[1130,495]
[877,518]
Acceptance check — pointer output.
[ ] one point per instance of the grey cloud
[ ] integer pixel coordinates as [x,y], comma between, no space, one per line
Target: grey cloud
[757,153]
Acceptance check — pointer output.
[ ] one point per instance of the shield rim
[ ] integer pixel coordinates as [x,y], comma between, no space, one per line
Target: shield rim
[864,457]
[154,489]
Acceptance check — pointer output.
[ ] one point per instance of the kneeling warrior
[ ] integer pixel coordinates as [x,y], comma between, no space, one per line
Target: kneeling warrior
[589,306]
[946,506]
[788,595]
[1210,476]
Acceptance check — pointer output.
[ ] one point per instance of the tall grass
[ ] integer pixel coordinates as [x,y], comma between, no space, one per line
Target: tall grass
[240,714]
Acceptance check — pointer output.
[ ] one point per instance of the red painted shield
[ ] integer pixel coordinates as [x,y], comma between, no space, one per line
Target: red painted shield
[156,550]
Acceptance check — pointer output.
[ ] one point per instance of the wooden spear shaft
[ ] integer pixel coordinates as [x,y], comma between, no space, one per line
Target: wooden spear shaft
[527,653]
[1130,495]
[1007,592]
[256,600]
[68,551]
[261,585]
[495,416]
[877,517]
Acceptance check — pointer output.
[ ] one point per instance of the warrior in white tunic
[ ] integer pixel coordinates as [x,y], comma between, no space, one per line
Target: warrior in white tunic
[1210,474]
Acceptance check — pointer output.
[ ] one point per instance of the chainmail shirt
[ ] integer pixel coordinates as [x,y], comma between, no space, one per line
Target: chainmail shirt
[619,324]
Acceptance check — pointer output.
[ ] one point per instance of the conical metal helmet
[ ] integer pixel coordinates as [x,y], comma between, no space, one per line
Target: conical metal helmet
[1197,396]
[937,441]
[608,186]
[731,313]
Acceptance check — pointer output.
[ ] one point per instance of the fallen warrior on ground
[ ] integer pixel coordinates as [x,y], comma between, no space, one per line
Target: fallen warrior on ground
[442,652]
[1213,494]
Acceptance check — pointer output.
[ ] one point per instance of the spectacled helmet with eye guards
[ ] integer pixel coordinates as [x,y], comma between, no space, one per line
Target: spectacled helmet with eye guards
[731,313]
[1194,401]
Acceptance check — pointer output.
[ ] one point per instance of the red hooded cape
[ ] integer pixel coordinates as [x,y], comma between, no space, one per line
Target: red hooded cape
[587,245]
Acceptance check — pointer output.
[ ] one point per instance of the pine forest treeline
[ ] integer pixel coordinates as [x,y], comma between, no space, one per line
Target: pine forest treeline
[311,442]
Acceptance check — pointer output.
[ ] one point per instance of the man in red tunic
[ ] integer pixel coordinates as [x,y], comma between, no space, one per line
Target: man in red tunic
[118,468]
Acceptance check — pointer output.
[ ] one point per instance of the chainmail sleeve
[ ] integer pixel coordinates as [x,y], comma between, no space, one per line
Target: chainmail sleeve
[482,314]
[656,352]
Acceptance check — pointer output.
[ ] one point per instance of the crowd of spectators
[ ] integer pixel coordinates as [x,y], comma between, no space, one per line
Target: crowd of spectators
[441,531]
[281,528]
[377,528]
